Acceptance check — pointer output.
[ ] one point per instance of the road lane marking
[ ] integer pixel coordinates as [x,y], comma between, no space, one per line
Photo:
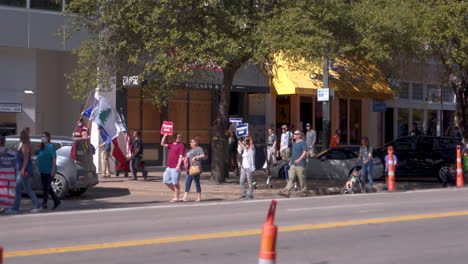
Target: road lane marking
[335,207]
[228,234]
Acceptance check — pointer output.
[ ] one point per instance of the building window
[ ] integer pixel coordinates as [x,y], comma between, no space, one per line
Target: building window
[433,93]
[447,94]
[343,125]
[404,90]
[417,92]
[54,5]
[16,3]
[355,121]
[402,122]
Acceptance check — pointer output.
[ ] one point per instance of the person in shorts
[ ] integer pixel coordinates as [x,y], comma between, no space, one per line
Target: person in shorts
[173,166]
[286,142]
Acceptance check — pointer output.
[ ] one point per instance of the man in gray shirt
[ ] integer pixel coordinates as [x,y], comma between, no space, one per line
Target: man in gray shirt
[311,138]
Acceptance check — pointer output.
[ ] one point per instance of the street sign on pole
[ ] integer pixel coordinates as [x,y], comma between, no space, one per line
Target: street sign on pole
[242,130]
[235,120]
[324,94]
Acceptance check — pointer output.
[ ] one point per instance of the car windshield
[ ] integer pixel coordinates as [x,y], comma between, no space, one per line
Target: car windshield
[64,151]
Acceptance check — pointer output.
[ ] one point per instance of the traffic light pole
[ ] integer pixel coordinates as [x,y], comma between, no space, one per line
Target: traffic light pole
[326,105]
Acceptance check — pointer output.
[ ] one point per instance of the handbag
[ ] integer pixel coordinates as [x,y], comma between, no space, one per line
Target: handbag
[194,170]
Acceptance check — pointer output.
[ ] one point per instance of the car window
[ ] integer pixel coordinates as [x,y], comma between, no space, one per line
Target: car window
[446,144]
[405,144]
[425,144]
[349,154]
[336,155]
[64,152]
[12,144]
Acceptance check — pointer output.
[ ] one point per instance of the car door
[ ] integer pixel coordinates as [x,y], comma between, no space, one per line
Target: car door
[425,156]
[336,164]
[405,150]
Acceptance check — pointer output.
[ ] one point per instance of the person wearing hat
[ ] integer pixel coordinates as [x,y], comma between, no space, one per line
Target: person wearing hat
[286,142]
[335,139]
[311,138]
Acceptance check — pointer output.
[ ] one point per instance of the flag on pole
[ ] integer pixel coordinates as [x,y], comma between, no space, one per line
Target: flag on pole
[107,118]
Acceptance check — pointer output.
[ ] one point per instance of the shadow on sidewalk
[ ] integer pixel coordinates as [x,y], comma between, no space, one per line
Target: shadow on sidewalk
[100,193]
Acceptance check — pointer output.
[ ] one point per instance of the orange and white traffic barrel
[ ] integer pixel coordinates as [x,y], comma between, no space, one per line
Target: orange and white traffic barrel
[267,253]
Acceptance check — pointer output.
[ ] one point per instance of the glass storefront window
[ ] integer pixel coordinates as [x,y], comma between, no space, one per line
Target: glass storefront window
[318,120]
[404,90]
[448,95]
[448,124]
[431,129]
[16,3]
[433,93]
[418,118]
[343,125]
[54,5]
[417,93]
[402,122]
[355,121]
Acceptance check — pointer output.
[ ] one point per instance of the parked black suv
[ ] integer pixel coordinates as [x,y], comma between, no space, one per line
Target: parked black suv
[421,156]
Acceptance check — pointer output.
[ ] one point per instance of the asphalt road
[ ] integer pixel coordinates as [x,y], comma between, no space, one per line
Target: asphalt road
[410,227]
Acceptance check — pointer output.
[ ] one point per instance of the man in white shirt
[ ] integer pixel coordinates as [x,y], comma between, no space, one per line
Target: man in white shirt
[286,143]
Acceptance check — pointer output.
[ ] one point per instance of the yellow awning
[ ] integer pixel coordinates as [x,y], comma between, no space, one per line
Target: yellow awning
[348,79]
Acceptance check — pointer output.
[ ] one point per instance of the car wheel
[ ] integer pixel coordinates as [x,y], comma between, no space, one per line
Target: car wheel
[78,192]
[60,185]
[443,174]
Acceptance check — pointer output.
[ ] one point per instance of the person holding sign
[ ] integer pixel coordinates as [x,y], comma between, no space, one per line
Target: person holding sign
[175,157]
[248,166]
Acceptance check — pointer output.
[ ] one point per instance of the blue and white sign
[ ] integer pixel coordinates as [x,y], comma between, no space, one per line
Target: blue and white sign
[235,120]
[242,130]
[379,106]
[324,94]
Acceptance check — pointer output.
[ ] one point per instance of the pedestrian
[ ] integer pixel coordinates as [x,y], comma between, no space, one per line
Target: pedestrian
[194,157]
[465,164]
[297,165]
[335,139]
[248,167]
[24,174]
[171,175]
[233,148]
[286,142]
[387,164]
[105,156]
[80,126]
[365,154]
[271,149]
[47,157]
[137,156]
[311,138]
[415,130]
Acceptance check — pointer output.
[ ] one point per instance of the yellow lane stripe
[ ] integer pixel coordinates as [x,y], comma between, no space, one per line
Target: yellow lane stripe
[227,234]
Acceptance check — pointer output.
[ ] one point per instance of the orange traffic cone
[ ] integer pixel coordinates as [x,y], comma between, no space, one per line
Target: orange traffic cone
[268,244]
[459,168]
[391,170]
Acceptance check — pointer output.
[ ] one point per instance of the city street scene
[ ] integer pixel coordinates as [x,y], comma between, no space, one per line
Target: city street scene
[216,131]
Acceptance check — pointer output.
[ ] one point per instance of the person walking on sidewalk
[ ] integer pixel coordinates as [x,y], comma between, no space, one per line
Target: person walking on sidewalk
[271,149]
[137,156]
[24,174]
[311,137]
[105,156]
[193,157]
[365,154]
[297,165]
[47,157]
[286,142]
[175,157]
[248,167]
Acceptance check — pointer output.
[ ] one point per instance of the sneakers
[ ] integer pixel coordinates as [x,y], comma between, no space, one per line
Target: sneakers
[35,210]
[285,194]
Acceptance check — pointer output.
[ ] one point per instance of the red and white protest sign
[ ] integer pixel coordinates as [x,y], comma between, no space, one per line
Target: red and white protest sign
[166,128]
[7,178]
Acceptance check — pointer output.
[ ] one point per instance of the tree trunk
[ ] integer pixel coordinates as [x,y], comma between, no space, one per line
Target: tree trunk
[459,84]
[220,154]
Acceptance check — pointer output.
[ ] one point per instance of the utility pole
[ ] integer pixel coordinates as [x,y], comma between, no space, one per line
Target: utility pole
[326,107]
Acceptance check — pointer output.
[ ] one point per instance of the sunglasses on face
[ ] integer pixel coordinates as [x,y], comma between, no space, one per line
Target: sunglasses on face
[297,134]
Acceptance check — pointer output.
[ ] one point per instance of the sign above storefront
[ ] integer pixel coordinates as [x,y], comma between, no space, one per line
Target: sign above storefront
[130,81]
[379,106]
[235,120]
[234,88]
[10,108]
[324,94]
